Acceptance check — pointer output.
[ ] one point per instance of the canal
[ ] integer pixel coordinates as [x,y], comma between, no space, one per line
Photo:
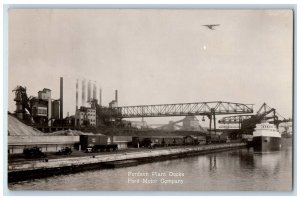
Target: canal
[233,170]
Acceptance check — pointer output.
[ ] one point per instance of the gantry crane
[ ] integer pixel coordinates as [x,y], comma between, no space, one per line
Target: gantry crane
[208,109]
[247,123]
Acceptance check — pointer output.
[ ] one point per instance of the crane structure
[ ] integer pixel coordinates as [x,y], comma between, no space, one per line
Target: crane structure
[209,109]
[22,103]
[248,122]
[182,109]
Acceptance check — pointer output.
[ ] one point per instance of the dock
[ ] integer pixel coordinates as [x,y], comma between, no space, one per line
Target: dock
[23,170]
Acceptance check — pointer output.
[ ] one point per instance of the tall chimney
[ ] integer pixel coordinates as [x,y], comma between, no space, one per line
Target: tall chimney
[61,97]
[83,93]
[100,97]
[49,109]
[94,90]
[116,96]
[89,91]
[77,94]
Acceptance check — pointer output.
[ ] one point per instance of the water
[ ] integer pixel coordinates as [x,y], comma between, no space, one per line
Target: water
[234,170]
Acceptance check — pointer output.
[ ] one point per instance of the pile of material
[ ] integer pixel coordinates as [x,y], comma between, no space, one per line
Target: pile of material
[18,128]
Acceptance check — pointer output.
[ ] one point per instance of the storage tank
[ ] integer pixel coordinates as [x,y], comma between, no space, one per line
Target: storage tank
[55,109]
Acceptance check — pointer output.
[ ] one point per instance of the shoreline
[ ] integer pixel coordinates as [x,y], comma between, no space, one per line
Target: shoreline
[20,171]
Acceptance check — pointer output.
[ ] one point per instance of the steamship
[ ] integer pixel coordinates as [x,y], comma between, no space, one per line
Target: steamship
[266,138]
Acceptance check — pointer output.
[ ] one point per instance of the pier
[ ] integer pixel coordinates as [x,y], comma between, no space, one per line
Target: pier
[23,170]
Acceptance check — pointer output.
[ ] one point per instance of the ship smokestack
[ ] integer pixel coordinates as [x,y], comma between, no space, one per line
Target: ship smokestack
[61,97]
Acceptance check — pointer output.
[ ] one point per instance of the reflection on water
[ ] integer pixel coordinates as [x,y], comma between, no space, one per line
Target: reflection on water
[212,163]
[236,170]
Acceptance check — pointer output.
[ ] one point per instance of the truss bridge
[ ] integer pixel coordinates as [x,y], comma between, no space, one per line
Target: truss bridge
[182,109]
[209,109]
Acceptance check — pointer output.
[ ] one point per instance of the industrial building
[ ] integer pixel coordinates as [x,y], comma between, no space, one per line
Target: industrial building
[40,110]
[44,109]
[85,116]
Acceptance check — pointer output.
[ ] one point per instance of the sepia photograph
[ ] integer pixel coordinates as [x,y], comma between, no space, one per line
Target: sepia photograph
[151,99]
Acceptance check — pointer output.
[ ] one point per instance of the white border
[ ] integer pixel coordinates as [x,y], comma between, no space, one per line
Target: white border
[3,100]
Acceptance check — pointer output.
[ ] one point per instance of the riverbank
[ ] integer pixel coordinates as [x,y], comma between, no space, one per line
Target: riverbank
[23,170]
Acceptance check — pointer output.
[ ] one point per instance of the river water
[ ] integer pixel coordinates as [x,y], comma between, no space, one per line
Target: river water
[234,170]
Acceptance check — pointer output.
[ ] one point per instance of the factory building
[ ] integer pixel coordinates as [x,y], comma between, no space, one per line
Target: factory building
[43,108]
[85,116]
[39,110]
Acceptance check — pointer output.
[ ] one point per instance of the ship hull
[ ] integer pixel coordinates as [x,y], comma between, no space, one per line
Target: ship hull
[266,143]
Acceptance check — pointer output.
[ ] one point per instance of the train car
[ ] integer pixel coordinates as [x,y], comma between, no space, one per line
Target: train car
[104,147]
[135,142]
[217,138]
[191,140]
[95,143]
[92,140]
[201,139]
[157,141]
[162,141]
[177,141]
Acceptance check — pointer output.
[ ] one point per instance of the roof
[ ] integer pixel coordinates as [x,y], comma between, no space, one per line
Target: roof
[46,89]
[16,127]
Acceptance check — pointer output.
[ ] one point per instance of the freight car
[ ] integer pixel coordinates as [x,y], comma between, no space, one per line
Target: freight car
[162,141]
[104,147]
[191,140]
[95,143]
[157,141]
[217,138]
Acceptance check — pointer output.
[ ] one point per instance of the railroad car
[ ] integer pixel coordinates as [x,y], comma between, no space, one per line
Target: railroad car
[95,143]
[217,138]
[191,140]
[162,141]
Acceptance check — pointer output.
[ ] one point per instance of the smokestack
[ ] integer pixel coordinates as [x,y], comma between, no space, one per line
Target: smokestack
[49,110]
[61,97]
[94,90]
[89,91]
[100,97]
[116,95]
[83,93]
[77,94]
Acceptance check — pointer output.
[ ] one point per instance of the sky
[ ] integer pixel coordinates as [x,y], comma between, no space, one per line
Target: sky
[155,56]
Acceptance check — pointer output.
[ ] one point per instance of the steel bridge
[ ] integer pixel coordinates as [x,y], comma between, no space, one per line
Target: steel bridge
[209,109]
[183,109]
